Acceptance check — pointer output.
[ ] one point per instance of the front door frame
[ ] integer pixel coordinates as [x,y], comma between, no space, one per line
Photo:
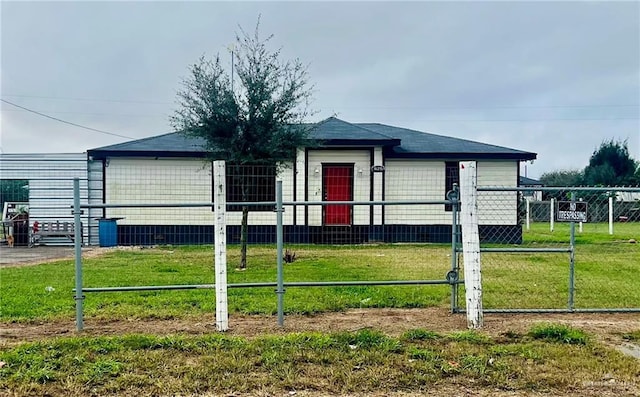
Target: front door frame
[350,167]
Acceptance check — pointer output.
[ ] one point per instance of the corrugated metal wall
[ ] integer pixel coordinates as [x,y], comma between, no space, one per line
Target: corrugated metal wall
[50,185]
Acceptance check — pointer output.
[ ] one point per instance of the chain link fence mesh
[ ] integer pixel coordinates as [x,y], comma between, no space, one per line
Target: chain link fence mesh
[606,254]
[394,225]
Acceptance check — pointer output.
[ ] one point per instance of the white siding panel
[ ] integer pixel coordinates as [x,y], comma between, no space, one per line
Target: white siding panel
[94,197]
[378,179]
[407,180]
[179,181]
[361,183]
[144,181]
[301,176]
[498,208]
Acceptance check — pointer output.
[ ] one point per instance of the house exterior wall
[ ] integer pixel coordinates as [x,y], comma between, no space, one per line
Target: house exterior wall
[171,180]
[425,180]
[378,186]
[179,181]
[414,180]
[138,181]
[498,208]
[143,181]
[361,160]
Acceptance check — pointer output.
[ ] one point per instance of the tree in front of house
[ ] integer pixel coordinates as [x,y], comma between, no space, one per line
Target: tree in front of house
[252,118]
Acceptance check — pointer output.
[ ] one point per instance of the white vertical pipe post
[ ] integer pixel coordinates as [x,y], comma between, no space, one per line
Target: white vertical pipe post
[611,215]
[528,213]
[279,249]
[551,213]
[471,243]
[220,245]
[580,224]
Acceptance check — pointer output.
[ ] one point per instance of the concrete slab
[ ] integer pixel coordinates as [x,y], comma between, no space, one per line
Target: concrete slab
[16,256]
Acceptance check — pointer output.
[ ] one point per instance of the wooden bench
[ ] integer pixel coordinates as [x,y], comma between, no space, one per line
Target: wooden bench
[42,230]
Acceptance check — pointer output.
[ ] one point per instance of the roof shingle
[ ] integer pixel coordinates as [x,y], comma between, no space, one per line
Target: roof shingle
[398,143]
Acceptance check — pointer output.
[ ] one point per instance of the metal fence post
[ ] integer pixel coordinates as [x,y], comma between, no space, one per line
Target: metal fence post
[77,244]
[453,274]
[572,253]
[279,248]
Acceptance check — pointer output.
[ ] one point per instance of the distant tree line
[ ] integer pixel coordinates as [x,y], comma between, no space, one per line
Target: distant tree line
[13,190]
[609,165]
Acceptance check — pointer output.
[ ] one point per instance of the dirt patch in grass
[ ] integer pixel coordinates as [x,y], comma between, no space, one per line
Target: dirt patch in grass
[605,327]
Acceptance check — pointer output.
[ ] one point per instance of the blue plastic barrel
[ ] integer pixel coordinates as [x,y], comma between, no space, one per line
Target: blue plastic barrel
[108,232]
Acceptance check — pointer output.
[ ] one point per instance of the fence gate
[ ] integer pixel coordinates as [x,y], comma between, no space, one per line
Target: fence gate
[556,262]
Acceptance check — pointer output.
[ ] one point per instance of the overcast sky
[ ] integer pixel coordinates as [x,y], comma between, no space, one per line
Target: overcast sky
[547,77]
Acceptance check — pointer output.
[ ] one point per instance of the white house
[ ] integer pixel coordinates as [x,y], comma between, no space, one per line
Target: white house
[534,194]
[353,162]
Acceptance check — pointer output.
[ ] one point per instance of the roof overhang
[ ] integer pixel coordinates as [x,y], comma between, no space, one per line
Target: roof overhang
[103,154]
[359,142]
[523,156]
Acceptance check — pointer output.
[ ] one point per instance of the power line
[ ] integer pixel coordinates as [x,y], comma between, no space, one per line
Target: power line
[156,115]
[489,107]
[64,121]
[87,99]
[357,107]
[483,120]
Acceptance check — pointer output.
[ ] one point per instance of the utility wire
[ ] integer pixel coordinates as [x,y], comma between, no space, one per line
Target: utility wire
[64,121]
[358,107]
[88,99]
[512,119]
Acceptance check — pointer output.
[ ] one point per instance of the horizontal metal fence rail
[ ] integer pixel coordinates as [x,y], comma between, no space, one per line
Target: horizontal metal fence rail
[264,203]
[451,279]
[563,238]
[271,284]
[555,189]
[514,250]
[543,311]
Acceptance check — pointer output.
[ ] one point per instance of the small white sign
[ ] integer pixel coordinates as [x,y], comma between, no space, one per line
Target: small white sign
[571,211]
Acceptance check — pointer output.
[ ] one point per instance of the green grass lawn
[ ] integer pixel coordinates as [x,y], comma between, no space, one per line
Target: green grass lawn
[607,269]
[549,357]
[25,294]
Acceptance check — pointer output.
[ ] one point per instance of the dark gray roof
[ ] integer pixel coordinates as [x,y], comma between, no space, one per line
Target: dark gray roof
[335,132]
[173,142]
[421,144]
[524,181]
[397,142]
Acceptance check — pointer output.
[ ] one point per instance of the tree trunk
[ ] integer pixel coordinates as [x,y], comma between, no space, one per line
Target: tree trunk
[244,232]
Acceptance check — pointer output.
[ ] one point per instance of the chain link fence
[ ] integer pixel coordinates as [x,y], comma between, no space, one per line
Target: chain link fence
[392,224]
[560,265]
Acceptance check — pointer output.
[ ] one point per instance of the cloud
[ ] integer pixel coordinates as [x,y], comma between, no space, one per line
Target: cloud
[556,78]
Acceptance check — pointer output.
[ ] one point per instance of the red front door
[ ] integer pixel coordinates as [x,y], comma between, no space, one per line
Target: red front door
[337,185]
